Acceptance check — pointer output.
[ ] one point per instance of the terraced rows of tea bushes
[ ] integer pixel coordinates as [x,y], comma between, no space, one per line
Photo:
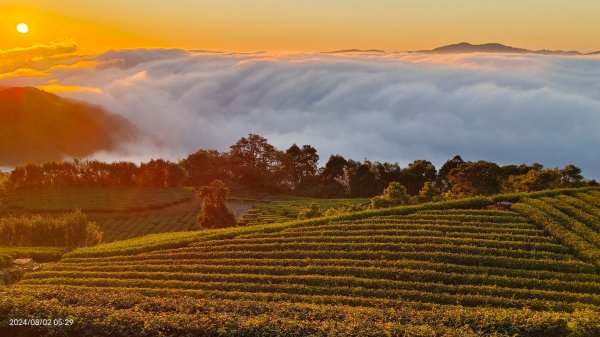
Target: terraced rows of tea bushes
[97,199]
[417,270]
[573,219]
[157,312]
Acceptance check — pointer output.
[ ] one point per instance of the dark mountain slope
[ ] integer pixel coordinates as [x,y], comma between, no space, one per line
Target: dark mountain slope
[36,126]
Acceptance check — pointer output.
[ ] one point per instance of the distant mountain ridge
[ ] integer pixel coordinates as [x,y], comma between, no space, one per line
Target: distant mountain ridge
[465,47]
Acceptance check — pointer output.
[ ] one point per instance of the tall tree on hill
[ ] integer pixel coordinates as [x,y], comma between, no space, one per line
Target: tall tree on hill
[215,212]
[386,173]
[299,163]
[448,166]
[153,173]
[331,182]
[334,169]
[571,175]
[205,166]
[160,173]
[255,162]
[416,174]
[474,178]
[362,180]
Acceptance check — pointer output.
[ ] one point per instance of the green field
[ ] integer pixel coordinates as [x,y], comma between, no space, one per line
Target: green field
[120,213]
[126,226]
[97,199]
[456,268]
[287,208]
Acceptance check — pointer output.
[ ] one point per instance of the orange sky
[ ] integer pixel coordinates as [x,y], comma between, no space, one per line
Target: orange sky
[308,25]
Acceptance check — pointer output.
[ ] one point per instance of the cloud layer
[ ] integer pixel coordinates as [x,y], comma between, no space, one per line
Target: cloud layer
[393,107]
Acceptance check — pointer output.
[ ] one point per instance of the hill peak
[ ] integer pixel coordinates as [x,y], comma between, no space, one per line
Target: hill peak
[38,126]
[494,47]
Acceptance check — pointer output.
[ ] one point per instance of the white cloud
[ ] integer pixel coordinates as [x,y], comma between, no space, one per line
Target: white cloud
[394,107]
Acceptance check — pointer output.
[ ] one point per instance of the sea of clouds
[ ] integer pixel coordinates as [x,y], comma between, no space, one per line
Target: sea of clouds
[508,108]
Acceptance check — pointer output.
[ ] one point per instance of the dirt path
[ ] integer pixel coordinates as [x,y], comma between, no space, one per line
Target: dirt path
[239,208]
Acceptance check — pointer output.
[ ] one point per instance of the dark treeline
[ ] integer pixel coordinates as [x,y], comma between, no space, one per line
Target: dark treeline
[254,166]
[155,173]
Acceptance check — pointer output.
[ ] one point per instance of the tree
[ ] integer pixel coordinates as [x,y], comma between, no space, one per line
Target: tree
[205,166]
[429,193]
[177,175]
[331,182]
[310,212]
[362,180]
[571,175]
[255,162]
[215,212]
[416,174]
[122,174]
[299,163]
[445,170]
[334,169]
[394,195]
[385,173]
[153,174]
[474,178]
[534,180]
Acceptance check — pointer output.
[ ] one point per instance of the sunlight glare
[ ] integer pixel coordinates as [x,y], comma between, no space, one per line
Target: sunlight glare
[22,28]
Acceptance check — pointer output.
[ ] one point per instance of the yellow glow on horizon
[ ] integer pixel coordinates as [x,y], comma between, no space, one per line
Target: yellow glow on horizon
[22,28]
[56,88]
[303,26]
[91,36]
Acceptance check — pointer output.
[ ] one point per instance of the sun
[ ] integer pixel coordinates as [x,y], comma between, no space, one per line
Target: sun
[22,28]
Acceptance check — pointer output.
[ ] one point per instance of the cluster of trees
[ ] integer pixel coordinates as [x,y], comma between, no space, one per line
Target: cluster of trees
[258,166]
[70,174]
[72,230]
[253,165]
[464,179]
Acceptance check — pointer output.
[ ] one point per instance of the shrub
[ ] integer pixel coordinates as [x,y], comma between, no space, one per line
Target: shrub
[428,193]
[394,195]
[310,212]
[343,210]
[72,229]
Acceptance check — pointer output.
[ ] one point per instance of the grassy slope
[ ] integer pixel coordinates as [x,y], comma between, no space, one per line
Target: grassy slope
[426,270]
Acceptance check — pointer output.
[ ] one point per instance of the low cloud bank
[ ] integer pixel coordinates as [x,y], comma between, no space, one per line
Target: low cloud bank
[393,107]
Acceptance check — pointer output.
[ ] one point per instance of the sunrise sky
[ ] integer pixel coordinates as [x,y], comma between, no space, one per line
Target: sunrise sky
[193,74]
[308,25]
